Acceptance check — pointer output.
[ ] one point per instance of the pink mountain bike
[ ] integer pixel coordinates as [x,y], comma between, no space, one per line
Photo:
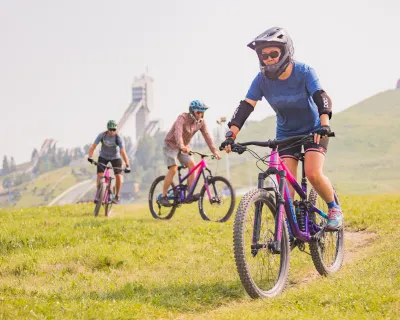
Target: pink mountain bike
[217,207]
[105,191]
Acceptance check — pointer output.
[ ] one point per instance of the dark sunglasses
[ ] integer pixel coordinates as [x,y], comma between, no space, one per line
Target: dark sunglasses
[198,112]
[272,54]
[112,129]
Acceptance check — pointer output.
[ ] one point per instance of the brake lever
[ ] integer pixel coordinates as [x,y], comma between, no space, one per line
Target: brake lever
[239,149]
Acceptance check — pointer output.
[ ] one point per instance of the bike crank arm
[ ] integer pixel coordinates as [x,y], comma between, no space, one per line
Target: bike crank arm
[273,246]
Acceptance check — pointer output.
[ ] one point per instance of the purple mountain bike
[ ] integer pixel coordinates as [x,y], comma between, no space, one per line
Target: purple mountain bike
[220,201]
[262,243]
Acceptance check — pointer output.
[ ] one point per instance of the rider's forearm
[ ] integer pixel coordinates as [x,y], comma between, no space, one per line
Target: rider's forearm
[90,154]
[125,157]
[207,137]
[242,112]
[324,119]
[234,129]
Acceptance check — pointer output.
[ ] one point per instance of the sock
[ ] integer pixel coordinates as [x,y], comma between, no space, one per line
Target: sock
[332,204]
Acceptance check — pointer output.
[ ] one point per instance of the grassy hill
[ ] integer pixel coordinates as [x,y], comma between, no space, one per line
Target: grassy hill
[45,187]
[363,158]
[62,263]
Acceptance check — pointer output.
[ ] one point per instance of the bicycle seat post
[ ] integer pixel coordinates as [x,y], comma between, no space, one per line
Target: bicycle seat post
[179,172]
[303,172]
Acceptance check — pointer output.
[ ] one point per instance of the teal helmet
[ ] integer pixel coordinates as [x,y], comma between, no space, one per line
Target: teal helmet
[197,106]
[112,125]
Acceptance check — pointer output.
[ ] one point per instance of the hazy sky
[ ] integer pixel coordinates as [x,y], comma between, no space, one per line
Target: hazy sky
[66,66]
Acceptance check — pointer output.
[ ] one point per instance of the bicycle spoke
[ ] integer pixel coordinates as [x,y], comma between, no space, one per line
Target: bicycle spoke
[327,253]
[264,265]
[157,210]
[221,204]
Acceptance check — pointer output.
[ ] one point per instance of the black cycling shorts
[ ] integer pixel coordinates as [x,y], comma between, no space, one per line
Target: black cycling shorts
[115,163]
[289,152]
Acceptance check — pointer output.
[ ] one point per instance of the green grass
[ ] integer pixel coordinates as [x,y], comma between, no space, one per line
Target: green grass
[61,262]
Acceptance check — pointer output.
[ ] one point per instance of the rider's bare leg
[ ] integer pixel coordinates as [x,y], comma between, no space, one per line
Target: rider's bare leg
[168,178]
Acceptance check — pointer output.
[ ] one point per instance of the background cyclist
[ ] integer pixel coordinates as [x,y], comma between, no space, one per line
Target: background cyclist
[112,148]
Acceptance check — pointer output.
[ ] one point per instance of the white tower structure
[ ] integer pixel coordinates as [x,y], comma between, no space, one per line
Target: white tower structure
[138,112]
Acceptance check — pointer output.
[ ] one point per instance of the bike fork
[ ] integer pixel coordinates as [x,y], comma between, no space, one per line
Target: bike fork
[255,246]
[276,245]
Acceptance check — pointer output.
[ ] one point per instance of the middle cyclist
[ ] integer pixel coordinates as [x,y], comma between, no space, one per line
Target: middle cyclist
[176,145]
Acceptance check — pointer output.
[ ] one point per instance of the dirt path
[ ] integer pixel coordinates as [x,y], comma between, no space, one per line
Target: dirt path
[354,243]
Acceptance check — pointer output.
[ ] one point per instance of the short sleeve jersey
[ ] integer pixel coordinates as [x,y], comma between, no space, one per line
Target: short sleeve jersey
[291,100]
[111,146]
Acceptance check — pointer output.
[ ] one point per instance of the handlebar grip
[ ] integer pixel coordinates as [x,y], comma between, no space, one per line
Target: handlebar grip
[331,134]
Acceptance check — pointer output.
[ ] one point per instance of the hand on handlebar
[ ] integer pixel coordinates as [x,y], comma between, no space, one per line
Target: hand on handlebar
[127,169]
[217,156]
[322,133]
[185,150]
[226,145]
[90,160]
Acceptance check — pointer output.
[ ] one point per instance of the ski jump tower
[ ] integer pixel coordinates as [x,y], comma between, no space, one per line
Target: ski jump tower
[139,111]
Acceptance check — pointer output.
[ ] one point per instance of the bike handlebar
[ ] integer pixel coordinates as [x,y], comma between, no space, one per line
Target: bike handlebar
[240,147]
[108,167]
[203,155]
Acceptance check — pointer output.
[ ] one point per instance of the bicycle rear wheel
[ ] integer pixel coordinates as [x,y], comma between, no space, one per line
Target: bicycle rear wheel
[156,209]
[101,190]
[220,207]
[327,253]
[262,273]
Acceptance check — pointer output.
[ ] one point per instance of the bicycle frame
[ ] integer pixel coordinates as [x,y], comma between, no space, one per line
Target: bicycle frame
[277,166]
[107,178]
[202,165]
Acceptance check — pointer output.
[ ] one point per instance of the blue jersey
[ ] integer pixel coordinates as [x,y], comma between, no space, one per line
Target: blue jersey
[111,146]
[291,99]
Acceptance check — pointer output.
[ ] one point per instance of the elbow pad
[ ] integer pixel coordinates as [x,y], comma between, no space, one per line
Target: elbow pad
[323,102]
[241,114]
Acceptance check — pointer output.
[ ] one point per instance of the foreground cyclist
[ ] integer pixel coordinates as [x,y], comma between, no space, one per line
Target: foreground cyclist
[293,90]
[176,145]
[112,148]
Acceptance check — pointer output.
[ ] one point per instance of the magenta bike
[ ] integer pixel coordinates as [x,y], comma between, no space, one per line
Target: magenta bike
[105,191]
[217,197]
[262,239]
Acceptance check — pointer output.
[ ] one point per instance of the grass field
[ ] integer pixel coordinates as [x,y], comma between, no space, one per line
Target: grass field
[62,263]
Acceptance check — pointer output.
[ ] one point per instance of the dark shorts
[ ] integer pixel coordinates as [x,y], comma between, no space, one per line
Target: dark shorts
[289,152]
[115,163]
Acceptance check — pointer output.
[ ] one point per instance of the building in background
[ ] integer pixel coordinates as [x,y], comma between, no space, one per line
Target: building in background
[135,122]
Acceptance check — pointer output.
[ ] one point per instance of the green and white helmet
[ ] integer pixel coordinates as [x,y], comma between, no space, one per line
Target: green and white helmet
[111,124]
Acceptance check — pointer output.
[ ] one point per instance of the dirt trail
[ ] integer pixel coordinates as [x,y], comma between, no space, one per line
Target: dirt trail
[354,244]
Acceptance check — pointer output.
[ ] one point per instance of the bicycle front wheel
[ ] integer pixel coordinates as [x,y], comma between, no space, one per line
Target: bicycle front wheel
[156,209]
[109,205]
[327,253]
[264,274]
[101,190]
[220,205]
